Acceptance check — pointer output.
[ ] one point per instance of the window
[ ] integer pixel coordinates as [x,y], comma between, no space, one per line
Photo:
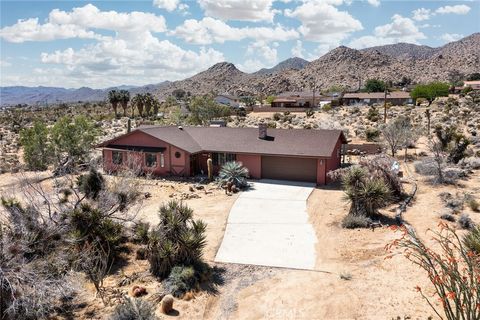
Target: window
[162,160]
[178,155]
[151,160]
[117,157]
[219,159]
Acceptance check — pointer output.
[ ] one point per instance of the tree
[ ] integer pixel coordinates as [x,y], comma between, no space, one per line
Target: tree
[270,99]
[249,101]
[149,102]
[430,91]
[138,101]
[36,149]
[375,85]
[204,109]
[474,77]
[124,98]
[72,139]
[114,99]
[179,94]
[397,133]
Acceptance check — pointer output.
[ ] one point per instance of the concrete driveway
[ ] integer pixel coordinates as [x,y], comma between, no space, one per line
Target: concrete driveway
[268,225]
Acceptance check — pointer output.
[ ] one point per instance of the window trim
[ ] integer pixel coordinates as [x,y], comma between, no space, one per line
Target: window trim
[162,160]
[220,158]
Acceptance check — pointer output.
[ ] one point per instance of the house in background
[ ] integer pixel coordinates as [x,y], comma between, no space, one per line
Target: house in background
[303,99]
[395,98]
[295,154]
[475,85]
[228,100]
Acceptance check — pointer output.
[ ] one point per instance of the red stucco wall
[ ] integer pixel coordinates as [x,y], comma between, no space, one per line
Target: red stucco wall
[253,163]
[335,159]
[172,165]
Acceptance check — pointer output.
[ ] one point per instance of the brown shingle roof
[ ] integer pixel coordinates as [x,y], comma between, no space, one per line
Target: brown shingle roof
[291,142]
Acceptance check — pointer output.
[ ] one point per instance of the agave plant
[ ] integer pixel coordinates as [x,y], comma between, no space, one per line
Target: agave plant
[177,240]
[472,240]
[235,173]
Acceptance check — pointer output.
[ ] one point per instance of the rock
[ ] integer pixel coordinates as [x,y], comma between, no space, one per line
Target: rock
[167,304]
[148,195]
[191,189]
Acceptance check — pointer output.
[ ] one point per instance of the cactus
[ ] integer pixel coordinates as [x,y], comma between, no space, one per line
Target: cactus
[210,168]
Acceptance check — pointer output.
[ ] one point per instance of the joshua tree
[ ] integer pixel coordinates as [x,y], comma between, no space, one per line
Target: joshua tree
[114,99]
[124,98]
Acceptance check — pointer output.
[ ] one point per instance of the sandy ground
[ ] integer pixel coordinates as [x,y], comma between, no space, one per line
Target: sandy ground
[378,288]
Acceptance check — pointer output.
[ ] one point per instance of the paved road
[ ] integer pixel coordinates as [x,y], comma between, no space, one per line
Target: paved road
[268,225]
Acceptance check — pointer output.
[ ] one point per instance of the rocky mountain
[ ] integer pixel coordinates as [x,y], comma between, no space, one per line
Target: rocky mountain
[403,51]
[346,67]
[51,95]
[294,63]
[342,66]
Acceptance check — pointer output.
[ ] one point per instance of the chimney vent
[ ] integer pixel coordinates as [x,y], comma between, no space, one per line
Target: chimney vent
[262,131]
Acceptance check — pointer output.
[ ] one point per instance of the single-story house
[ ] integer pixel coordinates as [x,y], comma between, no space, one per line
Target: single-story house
[295,154]
[302,99]
[228,100]
[395,98]
[475,85]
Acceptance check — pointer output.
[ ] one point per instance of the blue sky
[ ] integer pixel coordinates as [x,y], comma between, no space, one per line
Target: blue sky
[106,43]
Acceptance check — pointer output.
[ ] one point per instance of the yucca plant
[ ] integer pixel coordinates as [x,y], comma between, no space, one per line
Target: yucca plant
[472,240]
[235,173]
[177,240]
[134,309]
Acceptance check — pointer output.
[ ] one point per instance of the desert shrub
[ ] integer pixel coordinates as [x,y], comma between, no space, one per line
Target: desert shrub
[141,232]
[467,90]
[234,172]
[351,221]
[33,264]
[373,114]
[37,151]
[177,240]
[309,113]
[372,134]
[472,239]
[425,167]
[473,204]
[447,216]
[181,280]
[471,163]
[327,107]
[91,184]
[204,109]
[465,222]
[277,116]
[452,269]
[134,309]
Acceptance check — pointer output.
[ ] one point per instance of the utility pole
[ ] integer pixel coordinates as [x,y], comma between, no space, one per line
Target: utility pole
[385,106]
[314,85]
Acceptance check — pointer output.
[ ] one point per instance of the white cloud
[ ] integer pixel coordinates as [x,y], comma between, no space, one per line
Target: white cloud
[248,10]
[4,63]
[449,37]
[168,5]
[78,22]
[210,30]
[324,23]
[421,14]
[259,55]
[31,30]
[297,49]
[133,54]
[374,3]
[458,9]
[401,29]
